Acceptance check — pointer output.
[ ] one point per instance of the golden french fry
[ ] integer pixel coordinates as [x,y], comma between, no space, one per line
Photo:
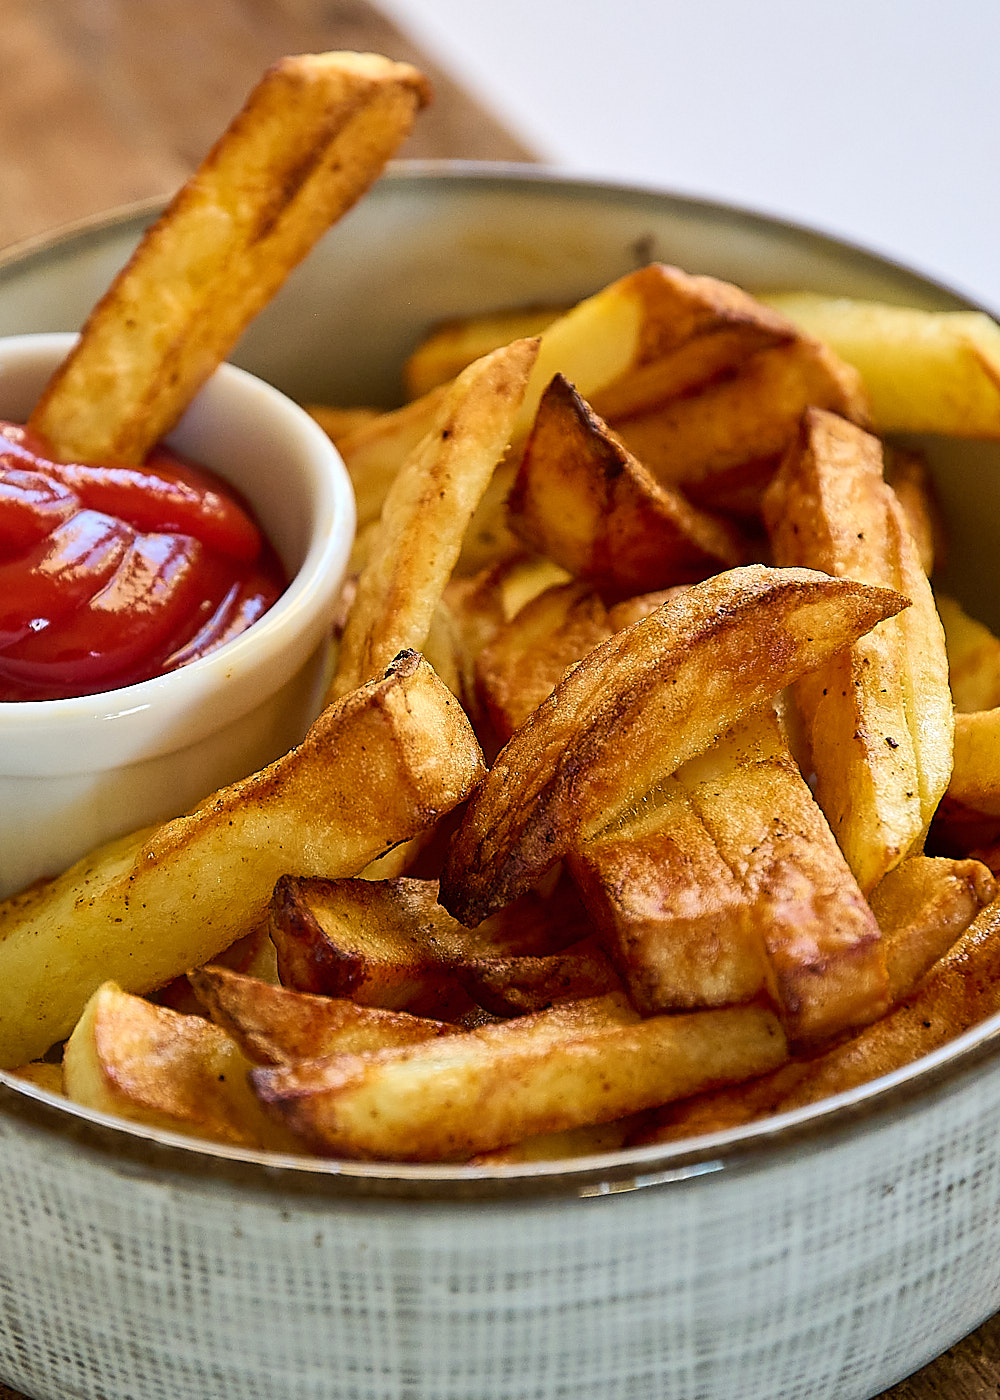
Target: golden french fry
[527,657]
[276,1025]
[925,371]
[677,922]
[155,1066]
[453,344]
[922,907]
[374,452]
[909,476]
[973,658]
[314,134]
[575,1064]
[43,1075]
[587,1141]
[878,718]
[341,423]
[427,512]
[581,498]
[746,420]
[961,989]
[147,907]
[975,778]
[827,970]
[661,690]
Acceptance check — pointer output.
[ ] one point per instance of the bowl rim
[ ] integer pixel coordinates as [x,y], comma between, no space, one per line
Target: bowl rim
[136,1150]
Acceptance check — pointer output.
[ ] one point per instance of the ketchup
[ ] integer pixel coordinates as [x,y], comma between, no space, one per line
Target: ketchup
[111,574]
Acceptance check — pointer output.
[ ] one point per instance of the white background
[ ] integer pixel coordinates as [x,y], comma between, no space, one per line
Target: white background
[878,120]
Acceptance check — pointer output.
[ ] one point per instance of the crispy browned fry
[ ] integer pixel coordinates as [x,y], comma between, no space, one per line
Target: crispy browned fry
[314,134]
[498,1084]
[391,944]
[783,913]
[973,658]
[676,921]
[922,906]
[878,718]
[658,692]
[451,345]
[908,475]
[517,986]
[427,512]
[521,664]
[276,1026]
[960,990]
[581,498]
[145,908]
[155,1066]
[925,371]
[975,779]
[749,418]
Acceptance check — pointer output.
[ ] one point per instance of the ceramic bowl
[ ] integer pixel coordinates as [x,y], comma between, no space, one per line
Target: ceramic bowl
[77,772]
[821,1255]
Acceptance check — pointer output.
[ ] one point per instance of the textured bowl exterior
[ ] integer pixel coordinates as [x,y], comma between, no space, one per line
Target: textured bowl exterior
[826,1254]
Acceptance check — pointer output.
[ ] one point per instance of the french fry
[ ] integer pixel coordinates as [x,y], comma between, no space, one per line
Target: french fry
[729,886]
[42,1074]
[922,907]
[374,452]
[341,423]
[427,512]
[391,944]
[154,1066]
[661,690]
[275,1025]
[588,1141]
[675,919]
[909,476]
[827,968]
[878,717]
[314,134]
[924,371]
[744,421]
[975,778]
[973,658]
[961,989]
[151,905]
[450,346]
[581,498]
[523,662]
[575,1064]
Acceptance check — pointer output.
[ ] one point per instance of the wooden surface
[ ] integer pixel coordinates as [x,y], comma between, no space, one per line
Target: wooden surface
[106,101]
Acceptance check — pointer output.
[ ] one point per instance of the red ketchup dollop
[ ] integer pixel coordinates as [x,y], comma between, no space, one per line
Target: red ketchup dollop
[112,574]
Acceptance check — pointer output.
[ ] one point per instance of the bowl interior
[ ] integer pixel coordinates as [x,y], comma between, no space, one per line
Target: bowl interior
[435,240]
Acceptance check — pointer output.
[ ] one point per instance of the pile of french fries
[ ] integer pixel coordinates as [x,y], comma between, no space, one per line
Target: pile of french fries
[655,789]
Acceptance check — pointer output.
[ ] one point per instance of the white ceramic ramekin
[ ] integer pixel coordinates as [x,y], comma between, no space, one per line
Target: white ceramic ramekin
[77,772]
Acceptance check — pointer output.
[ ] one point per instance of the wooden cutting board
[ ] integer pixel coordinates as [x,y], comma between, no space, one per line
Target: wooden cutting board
[91,119]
